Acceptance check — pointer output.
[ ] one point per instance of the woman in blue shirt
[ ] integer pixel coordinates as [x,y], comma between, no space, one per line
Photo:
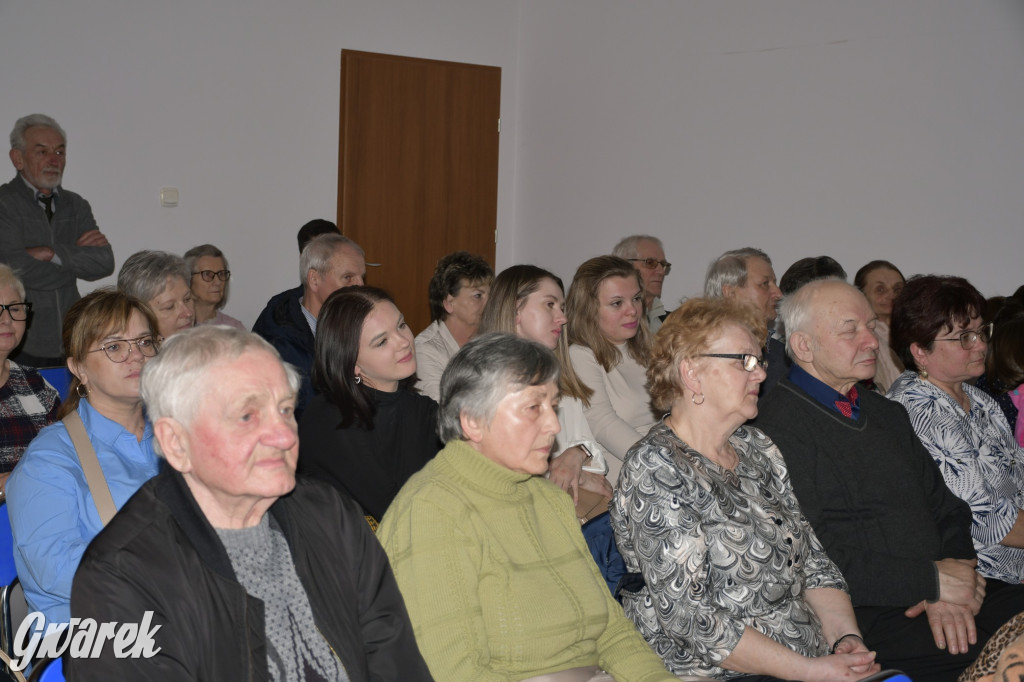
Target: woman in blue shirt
[108,337]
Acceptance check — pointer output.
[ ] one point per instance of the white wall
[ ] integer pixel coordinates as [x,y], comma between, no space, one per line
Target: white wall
[863,130]
[234,102]
[860,129]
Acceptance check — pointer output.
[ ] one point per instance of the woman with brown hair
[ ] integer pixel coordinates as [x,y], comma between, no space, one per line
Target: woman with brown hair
[108,337]
[609,348]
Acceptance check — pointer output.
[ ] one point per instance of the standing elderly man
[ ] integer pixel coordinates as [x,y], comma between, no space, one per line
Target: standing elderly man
[327,263]
[248,573]
[648,257]
[47,235]
[746,274]
[875,497]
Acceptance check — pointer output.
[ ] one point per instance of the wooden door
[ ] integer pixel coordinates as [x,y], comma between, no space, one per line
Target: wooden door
[418,167]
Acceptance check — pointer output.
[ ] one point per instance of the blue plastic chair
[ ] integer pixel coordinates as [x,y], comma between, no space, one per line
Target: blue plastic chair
[8,580]
[52,671]
[59,378]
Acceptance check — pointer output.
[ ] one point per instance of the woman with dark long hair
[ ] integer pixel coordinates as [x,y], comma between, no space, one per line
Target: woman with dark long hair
[367,431]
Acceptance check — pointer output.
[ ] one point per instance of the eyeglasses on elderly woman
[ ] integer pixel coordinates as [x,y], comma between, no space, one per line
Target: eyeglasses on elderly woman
[750,362]
[969,337]
[208,275]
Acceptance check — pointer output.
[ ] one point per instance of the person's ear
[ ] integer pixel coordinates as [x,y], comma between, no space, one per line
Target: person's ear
[18,159]
[802,346]
[472,427]
[174,443]
[312,279]
[728,291]
[75,368]
[449,304]
[921,356]
[689,375]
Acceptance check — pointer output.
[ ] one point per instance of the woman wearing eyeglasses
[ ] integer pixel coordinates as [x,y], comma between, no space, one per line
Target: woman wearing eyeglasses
[210,275]
[161,281]
[730,579]
[108,337]
[938,332]
[27,402]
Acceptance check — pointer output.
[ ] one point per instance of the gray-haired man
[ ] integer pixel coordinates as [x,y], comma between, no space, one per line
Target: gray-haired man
[47,235]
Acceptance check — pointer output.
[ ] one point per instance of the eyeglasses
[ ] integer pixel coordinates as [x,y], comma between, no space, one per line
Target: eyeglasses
[18,311]
[969,337]
[208,275]
[651,263]
[750,362]
[120,349]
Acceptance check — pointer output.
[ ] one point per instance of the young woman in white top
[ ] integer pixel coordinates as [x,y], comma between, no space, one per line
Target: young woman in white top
[609,347]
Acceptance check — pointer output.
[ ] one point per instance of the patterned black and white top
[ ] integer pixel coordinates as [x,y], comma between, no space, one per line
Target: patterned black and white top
[27,404]
[719,550]
[980,462]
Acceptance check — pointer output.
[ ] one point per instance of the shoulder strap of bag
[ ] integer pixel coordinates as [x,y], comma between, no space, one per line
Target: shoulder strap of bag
[91,466]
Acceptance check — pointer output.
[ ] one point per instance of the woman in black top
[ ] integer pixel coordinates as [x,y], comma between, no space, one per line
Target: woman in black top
[367,431]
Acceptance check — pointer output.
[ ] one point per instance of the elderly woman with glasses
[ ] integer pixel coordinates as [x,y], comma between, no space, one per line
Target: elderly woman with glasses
[937,329]
[27,402]
[54,510]
[729,578]
[161,281]
[209,270]
[489,555]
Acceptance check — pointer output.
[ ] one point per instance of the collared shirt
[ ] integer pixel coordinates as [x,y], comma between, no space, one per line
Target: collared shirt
[53,515]
[980,461]
[820,391]
[55,193]
[310,318]
[655,314]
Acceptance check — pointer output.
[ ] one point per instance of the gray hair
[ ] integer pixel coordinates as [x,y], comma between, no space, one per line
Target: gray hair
[9,279]
[144,275]
[730,269]
[485,370]
[796,311]
[33,121]
[206,251]
[627,247]
[317,253]
[172,382]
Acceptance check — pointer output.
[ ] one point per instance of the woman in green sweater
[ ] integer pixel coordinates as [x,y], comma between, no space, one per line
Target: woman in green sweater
[488,554]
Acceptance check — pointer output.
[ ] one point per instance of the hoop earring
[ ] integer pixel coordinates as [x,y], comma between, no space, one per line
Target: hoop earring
[693,399]
[359,379]
[82,391]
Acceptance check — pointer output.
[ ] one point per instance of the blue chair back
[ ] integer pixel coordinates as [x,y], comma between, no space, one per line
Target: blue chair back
[49,672]
[7,570]
[8,579]
[59,378]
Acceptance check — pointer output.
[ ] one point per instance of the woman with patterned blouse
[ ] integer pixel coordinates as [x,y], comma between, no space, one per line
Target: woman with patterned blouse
[735,583]
[937,330]
[27,402]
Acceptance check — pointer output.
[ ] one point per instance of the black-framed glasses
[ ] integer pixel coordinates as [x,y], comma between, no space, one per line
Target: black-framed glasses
[969,337]
[119,350]
[18,311]
[651,263]
[208,275]
[750,362]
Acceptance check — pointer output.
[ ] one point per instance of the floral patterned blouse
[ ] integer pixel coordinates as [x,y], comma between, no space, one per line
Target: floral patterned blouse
[719,550]
[980,461]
